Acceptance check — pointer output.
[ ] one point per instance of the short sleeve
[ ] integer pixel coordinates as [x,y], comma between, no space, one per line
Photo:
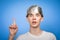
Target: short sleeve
[20,37]
[52,36]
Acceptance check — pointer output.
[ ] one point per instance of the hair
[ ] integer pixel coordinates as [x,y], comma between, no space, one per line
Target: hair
[34,6]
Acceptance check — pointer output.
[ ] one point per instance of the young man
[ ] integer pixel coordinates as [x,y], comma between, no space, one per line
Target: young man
[34,17]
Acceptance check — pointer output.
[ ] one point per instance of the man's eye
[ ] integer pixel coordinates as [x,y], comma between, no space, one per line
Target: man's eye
[37,14]
[30,15]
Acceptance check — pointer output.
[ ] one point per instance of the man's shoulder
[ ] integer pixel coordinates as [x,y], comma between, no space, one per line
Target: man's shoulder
[22,36]
[49,34]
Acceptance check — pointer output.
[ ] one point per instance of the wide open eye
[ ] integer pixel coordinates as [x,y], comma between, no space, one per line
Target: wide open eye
[37,14]
[30,15]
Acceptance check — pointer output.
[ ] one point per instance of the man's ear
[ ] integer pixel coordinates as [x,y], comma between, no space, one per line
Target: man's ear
[27,18]
[42,19]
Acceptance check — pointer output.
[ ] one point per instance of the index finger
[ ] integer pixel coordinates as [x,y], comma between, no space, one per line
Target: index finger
[14,21]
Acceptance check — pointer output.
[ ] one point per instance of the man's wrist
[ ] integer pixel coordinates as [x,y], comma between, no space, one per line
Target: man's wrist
[11,37]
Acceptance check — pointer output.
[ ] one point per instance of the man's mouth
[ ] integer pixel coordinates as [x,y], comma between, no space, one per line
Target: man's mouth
[34,22]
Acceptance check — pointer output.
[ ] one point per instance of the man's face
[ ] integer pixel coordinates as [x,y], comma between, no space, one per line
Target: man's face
[34,18]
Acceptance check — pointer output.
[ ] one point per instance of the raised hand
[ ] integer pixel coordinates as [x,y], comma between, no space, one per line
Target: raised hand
[13,29]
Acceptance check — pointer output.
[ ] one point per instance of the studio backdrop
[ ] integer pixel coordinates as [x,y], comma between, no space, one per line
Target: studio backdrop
[18,10]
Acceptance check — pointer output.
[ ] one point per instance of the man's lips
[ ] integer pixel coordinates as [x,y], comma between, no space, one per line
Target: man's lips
[34,22]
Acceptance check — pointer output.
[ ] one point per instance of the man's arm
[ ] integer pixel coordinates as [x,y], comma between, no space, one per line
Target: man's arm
[13,30]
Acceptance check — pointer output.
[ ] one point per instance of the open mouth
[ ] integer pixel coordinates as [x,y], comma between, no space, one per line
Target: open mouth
[34,22]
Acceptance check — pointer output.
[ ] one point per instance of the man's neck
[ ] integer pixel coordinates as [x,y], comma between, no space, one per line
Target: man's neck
[35,31]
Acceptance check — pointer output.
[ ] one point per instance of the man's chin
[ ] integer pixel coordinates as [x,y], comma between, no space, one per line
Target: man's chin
[34,26]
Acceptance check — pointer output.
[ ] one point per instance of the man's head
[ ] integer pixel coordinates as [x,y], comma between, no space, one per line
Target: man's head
[34,15]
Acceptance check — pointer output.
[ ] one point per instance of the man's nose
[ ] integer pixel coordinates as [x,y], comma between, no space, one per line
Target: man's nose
[34,18]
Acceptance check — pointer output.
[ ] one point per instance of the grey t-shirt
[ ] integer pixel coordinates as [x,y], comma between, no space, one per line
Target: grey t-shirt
[44,36]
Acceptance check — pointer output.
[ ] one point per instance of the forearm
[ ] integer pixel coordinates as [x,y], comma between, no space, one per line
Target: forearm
[11,37]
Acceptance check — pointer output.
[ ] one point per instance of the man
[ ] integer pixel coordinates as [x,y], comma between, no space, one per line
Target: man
[34,17]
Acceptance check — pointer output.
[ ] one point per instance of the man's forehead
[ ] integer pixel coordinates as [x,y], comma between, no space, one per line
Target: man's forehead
[34,10]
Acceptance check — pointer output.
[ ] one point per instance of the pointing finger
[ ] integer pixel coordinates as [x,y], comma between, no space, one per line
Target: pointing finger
[14,21]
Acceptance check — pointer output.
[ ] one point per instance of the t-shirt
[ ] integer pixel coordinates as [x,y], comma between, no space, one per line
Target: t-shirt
[44,36]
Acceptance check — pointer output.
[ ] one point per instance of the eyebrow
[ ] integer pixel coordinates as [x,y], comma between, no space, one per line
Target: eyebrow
[37,13]
[31,13]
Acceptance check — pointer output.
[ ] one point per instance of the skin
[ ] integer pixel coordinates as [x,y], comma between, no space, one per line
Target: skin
[34,18]
[13,30]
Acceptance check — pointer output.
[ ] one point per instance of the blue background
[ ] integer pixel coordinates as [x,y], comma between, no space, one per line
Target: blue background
[18,9]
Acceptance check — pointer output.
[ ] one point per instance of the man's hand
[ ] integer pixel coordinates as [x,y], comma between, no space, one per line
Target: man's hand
[13,30]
